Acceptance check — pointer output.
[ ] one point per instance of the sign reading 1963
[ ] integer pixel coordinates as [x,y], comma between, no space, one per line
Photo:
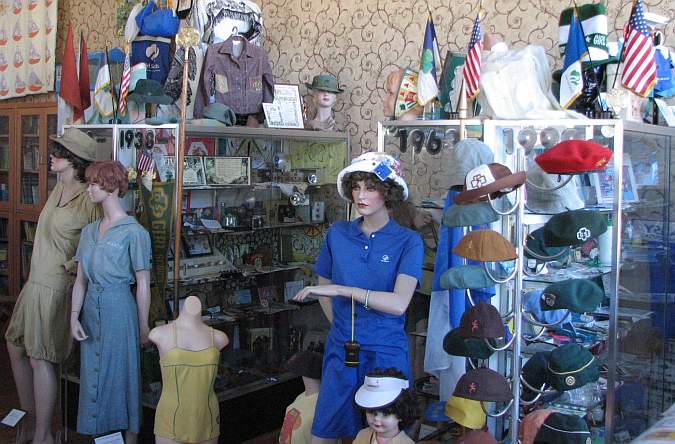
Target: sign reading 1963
[135,138]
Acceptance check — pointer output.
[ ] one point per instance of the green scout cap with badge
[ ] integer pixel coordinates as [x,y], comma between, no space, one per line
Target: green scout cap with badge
[481,321]
[571,366]
[149,91]
[536,249]
[485,246]
[577,295]
[573,228]
[534,373]
[467,215]
[476,348]
[80,144]
[466,276]
[325,82]
[560,428]
[465,412]
[483,384]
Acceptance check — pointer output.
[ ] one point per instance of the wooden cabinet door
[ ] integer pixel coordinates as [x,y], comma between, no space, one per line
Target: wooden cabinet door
[6,176]
[30,161]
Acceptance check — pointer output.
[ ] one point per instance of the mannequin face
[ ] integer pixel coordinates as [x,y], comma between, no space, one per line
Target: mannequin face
[58,164]
[324,99]
[368,200]
[193,305]
[98,194]
[385,426]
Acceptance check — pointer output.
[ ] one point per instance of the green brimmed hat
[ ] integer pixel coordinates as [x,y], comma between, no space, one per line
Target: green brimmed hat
[325,82]
[481,321]
[483,384]
[571,366]
[467,215]
[573,228]
[577,295]
[220,112]
[476,348]
[78,143]
[485,246]
[466,276]
[149,91]
[560,428]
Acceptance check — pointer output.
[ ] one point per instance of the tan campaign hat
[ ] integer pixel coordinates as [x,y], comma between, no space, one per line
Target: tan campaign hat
[485,246]
[78,143]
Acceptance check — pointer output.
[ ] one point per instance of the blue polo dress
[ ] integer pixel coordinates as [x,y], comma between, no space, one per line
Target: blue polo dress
[350,257]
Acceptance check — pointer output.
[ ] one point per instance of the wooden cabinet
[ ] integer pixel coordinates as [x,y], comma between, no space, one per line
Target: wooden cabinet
[25,183]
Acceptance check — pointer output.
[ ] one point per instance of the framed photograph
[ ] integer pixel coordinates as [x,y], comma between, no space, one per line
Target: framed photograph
[286,109]
[603,182]
[197,245]
[193,171]
[227,170]
[166,167]
[200,146]
[261,339]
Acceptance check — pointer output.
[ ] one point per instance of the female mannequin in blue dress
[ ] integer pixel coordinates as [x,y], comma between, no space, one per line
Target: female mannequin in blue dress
[110,324]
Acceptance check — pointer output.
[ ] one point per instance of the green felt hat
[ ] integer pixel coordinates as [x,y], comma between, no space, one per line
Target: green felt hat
[577,295]
[535,372]
[536,249]
[561,428]
[573,228]
[149,91]
[571,366]
[466,215]
[475,348]
[220,112]
[466,276]
[325,82]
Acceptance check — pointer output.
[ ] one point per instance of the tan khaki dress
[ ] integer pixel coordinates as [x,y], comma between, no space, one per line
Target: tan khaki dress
[41,319]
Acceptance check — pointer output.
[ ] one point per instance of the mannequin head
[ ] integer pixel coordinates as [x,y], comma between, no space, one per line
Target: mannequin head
[389,193]
[106,178]
[61,160]
[193,306]
[324,99]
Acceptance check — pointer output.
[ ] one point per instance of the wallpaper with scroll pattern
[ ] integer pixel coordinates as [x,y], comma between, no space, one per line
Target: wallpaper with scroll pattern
[361,41]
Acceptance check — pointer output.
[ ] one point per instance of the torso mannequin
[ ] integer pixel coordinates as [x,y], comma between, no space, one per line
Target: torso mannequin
[189,352]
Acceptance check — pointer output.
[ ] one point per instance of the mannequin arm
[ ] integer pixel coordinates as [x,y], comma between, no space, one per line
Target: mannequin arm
[143,302]
[326,303]
[79,289]
[395,303]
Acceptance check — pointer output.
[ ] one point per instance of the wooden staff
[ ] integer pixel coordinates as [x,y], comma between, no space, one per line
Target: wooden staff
[186,38]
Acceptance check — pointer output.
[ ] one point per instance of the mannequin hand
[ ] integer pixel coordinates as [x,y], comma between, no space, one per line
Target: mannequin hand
[76,330]
[323,290]
[144,340]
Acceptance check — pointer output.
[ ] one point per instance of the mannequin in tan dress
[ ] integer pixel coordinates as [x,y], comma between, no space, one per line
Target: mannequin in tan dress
[189,352]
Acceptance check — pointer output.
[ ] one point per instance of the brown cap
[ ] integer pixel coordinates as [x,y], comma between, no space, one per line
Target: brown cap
[492,180]
[481,321]
[483,384]
[478,437]
[485,246]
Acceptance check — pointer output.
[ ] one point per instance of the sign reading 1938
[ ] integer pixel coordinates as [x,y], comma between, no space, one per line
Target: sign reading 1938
[136,138]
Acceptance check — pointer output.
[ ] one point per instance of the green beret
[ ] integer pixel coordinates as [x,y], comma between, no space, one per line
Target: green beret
[573,228]
[577,295]
[534,372]
[536,249]
[475,348]
[467,215]
[561,428]
[466,276]
[571,366]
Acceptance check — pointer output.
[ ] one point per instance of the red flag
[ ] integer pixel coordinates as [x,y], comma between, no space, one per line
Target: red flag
[70,88]
[85,97]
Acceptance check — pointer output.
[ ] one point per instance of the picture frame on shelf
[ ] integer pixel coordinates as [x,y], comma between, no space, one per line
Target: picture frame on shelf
[261,338]
[227,170]
[193,171]
[166,168]
[197,245]
[286,109]
[603,182]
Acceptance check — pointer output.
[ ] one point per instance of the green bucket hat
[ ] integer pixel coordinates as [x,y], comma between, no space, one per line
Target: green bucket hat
[481,321]
[466,215]
[535,372]
[149,91]
[536,249]
[483,384]
[577,295]
[466,276]
[475,348]
[560,428]
[571,366]
[220,112]
[325,82]
[573,228]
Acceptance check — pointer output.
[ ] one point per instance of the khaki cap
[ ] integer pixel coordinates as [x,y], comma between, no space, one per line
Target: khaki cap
[485,246]
[78,143]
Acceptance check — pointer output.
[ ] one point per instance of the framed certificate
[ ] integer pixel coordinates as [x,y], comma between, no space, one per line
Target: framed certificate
[286,109]
[227,170]
[193,171]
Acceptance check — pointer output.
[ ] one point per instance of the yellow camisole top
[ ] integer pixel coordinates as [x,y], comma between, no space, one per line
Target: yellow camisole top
[188,407]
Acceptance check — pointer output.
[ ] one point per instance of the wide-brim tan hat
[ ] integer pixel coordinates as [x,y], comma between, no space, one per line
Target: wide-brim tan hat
[78,143]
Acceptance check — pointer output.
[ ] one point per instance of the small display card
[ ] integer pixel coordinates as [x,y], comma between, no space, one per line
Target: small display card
[113,438]
[13,417]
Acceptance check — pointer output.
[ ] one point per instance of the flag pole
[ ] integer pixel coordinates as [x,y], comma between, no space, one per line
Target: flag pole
[112,83]
[588,52]
[623,47]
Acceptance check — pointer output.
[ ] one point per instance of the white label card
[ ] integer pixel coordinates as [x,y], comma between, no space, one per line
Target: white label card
[13,417]
[113,438]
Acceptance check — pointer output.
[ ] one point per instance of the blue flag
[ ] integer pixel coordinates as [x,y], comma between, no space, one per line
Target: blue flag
[571,82]
[427,86]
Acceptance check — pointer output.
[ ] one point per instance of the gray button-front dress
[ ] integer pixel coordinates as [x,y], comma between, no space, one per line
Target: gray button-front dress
[110,371]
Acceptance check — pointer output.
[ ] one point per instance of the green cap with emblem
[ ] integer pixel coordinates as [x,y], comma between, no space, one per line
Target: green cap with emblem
[571,366]
[577,295]
[536,249]
[466,215]
[325,82]
[475,348]
[573,228]
[561,428]
[466,276]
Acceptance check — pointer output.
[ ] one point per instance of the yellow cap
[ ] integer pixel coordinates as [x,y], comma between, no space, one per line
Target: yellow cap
[465,412]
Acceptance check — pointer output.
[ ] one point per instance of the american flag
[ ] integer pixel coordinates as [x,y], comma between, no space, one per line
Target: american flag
[144,162]
[639,69]
[124,84]
[471,71]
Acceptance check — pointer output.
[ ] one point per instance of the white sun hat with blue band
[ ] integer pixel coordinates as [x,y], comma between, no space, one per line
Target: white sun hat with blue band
[382,165]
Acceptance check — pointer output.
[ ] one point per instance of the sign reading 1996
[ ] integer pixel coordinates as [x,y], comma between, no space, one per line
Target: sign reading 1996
[135,138]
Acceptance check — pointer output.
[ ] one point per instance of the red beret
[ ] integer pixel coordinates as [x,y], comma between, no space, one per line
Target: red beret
[574,156]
